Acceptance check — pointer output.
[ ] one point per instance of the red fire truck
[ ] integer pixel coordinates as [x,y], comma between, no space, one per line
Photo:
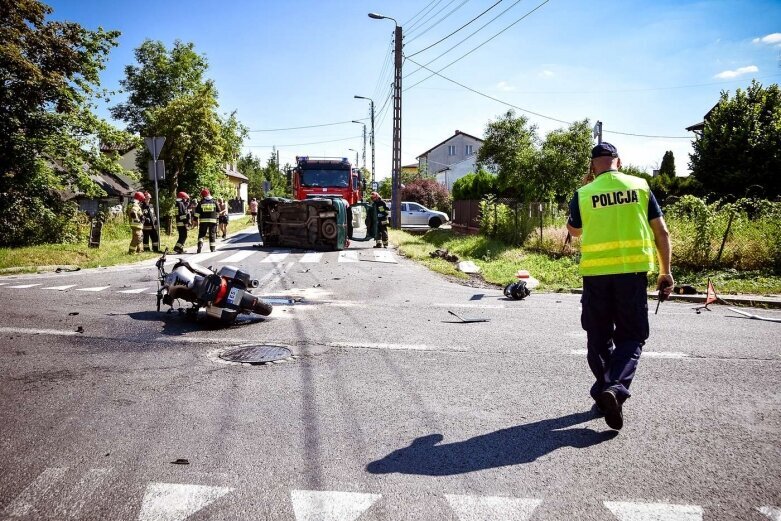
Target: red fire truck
[327,177]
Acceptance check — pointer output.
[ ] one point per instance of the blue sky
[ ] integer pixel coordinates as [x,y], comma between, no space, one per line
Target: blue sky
[640,67]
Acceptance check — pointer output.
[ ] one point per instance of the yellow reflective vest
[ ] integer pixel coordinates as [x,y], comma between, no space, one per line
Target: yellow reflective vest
[616,235]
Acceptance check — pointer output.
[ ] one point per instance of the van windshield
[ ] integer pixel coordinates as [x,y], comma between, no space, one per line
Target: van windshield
[325,177]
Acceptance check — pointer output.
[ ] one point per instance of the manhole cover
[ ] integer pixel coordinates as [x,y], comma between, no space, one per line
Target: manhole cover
[256,354]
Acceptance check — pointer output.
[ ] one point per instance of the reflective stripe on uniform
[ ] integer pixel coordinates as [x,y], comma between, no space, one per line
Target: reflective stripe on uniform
[616,245]
[615,261]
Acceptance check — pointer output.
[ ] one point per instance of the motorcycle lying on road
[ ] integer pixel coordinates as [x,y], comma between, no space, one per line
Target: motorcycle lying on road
[224,293]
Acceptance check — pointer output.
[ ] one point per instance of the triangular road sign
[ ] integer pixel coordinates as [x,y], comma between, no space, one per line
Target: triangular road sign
[654,511]
[314,505]
[474,508]
[176,502]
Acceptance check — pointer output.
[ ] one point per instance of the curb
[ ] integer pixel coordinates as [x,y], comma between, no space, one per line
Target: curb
[755,301]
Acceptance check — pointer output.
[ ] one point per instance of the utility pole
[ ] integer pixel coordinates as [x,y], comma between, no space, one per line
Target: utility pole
[364,142]
[598,132]
[396,166]
[371,135]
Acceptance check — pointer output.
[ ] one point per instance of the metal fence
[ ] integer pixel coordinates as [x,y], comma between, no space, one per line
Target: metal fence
[511,220]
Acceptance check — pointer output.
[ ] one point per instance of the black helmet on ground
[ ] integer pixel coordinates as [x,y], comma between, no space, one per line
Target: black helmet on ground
[517,290]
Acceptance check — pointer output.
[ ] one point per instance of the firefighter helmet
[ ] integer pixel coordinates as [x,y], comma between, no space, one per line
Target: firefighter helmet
[139,196]
[205,192]
[182,195]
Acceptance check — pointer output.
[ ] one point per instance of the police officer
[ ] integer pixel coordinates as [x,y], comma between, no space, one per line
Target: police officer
[136,216]
[206,214]
[382,221]
[150,226]
[619,222]
[182,220]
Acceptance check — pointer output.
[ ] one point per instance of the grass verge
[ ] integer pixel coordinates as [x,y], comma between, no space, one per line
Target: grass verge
[499,262]
[112,251]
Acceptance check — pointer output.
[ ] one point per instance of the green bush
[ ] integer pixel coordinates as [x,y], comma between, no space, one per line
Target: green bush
[29,220]
[510,224]
[474,186]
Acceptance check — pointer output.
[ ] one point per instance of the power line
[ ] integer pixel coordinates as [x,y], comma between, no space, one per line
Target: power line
[485,42]
[423,22]
[416,14]
[384,69]
[489,22]
[454,32]
[302,144]
[456,8]
[537,113]
[306,126]
[433,5]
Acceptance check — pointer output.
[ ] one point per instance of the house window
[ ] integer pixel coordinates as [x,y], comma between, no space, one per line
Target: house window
[451,150]
[468,150]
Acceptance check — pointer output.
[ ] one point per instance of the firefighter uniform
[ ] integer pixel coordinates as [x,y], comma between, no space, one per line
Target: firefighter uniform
[617,252]
[206,213]
[383,212]
[182,220]
[136,216]
[150,228]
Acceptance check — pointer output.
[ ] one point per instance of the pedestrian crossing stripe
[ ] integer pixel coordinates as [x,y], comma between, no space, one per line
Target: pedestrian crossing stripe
[178,501]
[24,286]
[236,257]
[139,290]
[61,288]
[311,257]
[348,256]
[94,290]
[275,258]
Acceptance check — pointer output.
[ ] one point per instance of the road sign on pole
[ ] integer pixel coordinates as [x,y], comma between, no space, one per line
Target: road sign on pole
[155,144]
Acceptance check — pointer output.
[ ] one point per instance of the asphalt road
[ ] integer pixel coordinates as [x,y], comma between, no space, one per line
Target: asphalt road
[392,409]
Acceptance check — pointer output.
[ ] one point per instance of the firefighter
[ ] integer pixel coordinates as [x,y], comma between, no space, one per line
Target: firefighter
[136,216]
[382,221]
[206,214]
[150,226]
[182,220]
[620,222]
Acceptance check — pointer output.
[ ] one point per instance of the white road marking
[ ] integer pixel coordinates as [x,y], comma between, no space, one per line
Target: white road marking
[645,354]
[25,502]
[397,347]
[238,256]
[139,290]
[176,502]
[200,257]
[275,257]
[3,283]
[61,288]
[34,331]
[773,513]
[626,511]
[95,289]
[473,508]
[348,256]
[384,256]
[465,305]
[23,286]
[78,498]
[311,257]
[313,505]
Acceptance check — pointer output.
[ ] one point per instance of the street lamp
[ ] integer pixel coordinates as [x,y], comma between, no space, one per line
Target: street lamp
[371,137]
[364,140]
[356,156]
[396,164]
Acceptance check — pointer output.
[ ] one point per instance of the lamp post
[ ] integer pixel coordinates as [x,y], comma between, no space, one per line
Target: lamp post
[356,156]
[364,141]
[396,164]
[371,137]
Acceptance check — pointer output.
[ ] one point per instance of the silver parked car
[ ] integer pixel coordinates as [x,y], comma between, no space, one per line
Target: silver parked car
[415,214]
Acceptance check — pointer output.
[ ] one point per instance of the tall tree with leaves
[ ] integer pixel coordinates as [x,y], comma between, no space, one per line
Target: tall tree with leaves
[49,136]
[563,161]
[667,168]
[509,150]
[740,145]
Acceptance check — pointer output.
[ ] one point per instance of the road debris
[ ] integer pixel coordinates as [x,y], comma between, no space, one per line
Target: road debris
[180,461]
[754,317]
[467,320]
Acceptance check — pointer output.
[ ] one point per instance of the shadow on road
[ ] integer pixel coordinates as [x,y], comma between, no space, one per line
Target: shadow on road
[175,323]
[512,446]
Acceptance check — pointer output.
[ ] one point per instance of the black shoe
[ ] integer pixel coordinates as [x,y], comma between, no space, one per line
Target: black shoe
[378,245]
[608,402]
[199,250]
[597,410]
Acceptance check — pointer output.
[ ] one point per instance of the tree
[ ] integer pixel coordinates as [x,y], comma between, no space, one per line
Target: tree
[509,151]
[563,161]
[667,168]
[474,186]
[169,96]
[739,146]
[160,77]
[49,136]
[427,192]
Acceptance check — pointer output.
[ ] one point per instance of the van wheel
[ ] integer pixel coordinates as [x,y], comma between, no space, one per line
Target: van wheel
[435,222]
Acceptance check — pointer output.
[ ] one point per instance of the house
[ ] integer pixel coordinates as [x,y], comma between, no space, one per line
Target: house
[454,149]
[697,128]
[240,183]
[456,171]
[410,169]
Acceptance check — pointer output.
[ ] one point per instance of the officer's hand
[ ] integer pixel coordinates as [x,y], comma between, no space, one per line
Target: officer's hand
[665,284]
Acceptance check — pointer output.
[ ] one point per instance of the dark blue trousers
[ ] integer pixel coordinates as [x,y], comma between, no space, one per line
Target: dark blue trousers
[615,317]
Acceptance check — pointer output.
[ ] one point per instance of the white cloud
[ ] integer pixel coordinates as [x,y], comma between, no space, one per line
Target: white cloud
[770,39]
[546,74]
[504,86]
[726,75]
